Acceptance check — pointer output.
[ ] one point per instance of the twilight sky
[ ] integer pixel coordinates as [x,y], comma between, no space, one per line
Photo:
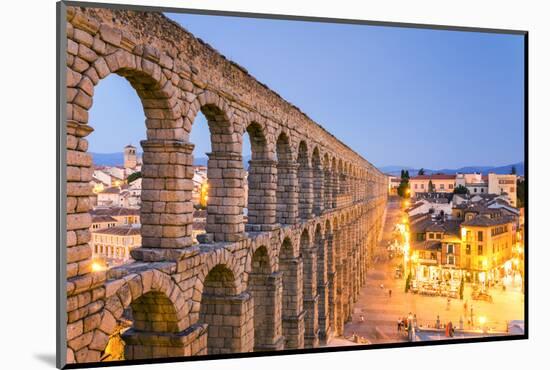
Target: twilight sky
[397,96]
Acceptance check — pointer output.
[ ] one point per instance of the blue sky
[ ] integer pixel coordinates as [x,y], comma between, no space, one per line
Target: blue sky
[397,96]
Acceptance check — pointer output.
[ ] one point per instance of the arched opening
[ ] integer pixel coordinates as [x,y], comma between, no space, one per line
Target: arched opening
[309,256]
[331,279]
[260,192]
[292,317]
[286,195]
[128,326]
[116,178]
[229,316]
[322,281]
[304,182]
[318,188]
[266,291]
[335,183]
[222,191]
[327,182]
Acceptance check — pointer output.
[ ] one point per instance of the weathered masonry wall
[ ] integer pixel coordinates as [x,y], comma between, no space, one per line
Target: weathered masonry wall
[286,279]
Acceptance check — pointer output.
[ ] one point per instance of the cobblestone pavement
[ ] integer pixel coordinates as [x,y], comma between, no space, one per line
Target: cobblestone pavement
[380,312]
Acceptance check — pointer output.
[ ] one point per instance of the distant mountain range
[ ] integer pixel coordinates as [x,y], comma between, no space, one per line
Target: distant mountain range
[396,170]
[117,159]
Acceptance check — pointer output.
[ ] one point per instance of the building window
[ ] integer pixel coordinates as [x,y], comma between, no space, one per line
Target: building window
[475,190]
[451,186]
[480,250]
[468,249]
[438,236]
[480,236]
[450,260]
[421,186]
[450,249]
[430,235]
[442,186]
[468,233]
[482,190]
[416,186]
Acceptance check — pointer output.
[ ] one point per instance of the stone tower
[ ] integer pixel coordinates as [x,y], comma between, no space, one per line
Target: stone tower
[130,157]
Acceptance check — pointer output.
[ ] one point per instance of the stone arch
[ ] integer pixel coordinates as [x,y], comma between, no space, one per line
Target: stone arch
[224,219]
[227,314]
[327,182]
[165,134]
[292,315]
[320,245]
[304,182]
[287,182]
[309,257]
[318,182]
[262,171]
[266,290]
[335,182]
[154,304]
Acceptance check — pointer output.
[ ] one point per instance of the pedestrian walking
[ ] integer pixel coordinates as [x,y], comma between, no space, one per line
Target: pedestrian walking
[362,319]
[466,306]
[389,292]
[399,325]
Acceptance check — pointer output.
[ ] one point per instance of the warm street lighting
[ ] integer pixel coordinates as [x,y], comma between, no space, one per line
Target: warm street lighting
[204,194]
[96,266]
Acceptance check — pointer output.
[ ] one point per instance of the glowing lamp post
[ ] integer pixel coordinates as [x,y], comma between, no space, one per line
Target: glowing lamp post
[204,194]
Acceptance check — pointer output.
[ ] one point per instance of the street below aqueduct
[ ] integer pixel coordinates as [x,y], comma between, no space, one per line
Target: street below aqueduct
[381,312]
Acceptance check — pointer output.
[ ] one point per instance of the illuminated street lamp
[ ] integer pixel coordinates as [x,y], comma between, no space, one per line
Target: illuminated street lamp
[204,194]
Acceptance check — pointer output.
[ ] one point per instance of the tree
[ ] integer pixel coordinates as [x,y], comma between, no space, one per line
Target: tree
[421,172]
[461,289]
[133,177]
[407,174]
[461,189]
[403,189]
[402,174]
[431,187]
[513,170]
[408,283]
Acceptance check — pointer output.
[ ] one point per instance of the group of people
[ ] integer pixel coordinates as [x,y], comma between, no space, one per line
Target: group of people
[406,323]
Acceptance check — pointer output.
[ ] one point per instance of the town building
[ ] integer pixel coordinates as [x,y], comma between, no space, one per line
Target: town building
[130,157]
[503,184]
[112,245]
[441,183]
[393,184]
[488,238]
[434,205]
[476,183]
[477,241]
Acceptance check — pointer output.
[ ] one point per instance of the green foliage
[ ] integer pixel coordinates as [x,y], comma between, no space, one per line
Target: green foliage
[431,187]
[461,189]
[421,172]
[513,171]
[402,189]
[408,283]
[133,177]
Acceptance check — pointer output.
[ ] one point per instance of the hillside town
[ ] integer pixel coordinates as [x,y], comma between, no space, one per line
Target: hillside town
[116,198]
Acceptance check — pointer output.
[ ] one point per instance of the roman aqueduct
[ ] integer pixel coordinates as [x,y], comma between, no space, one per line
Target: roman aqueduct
[287,278]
